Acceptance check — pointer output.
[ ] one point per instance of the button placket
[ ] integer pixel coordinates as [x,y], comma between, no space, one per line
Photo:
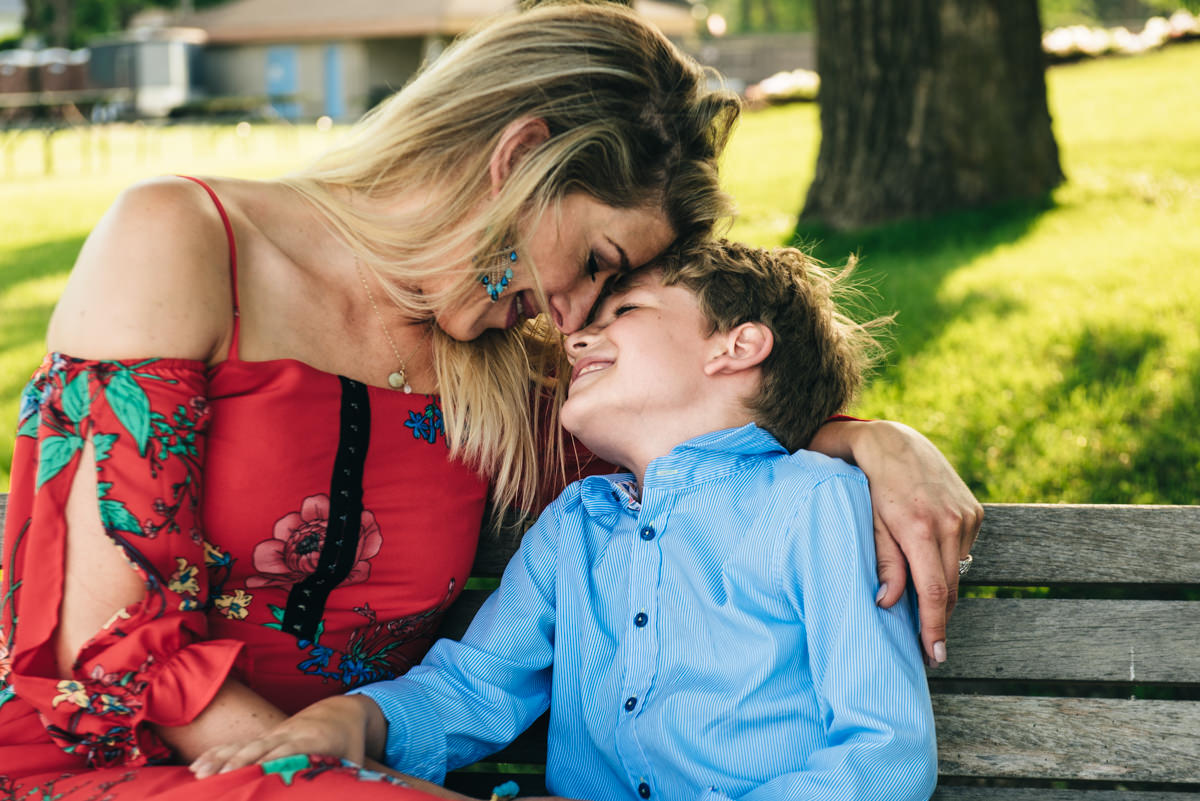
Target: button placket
[641,646]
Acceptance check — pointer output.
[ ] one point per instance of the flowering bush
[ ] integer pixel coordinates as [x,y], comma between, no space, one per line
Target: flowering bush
[1079,41]
[785,87]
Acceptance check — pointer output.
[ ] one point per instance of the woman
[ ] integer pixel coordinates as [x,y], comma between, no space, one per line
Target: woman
[287,404]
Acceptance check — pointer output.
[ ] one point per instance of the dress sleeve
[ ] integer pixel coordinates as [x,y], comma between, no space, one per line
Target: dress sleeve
[151,662]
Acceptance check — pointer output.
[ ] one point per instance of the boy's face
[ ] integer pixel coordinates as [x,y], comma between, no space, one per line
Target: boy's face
[638,366]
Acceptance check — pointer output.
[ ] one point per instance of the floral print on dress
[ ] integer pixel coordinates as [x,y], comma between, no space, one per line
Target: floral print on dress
[234,607]
[374,652]
[183,580]
[428,424]
[293,553]
[309,767]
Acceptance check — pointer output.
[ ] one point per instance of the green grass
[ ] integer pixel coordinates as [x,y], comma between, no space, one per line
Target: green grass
[1051,349]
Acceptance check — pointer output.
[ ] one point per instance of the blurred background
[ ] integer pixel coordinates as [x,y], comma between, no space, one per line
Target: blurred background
[1019,182]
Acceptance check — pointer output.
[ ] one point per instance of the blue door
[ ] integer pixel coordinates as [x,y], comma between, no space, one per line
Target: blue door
[283,81]
[335,96]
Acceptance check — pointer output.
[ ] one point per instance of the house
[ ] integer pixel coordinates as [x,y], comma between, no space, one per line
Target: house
[12,18]
[312,58]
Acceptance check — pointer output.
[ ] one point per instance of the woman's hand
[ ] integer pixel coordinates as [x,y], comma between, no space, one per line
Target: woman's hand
[925,517]
[345,726]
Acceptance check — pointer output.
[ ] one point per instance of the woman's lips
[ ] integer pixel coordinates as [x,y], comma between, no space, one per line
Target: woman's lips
[523,306]
[516,311]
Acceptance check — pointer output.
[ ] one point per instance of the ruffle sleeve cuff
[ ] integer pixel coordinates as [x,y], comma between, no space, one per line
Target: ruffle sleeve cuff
[122,684]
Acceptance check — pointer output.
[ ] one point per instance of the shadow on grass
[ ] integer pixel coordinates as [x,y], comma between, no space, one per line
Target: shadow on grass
[905,264]
[45,259]
[1117,367]
[1165,464]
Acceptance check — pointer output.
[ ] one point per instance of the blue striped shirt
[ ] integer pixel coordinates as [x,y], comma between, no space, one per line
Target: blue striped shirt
[717,639]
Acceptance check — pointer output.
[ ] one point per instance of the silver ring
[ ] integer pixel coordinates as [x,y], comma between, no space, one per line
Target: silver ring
[965,564]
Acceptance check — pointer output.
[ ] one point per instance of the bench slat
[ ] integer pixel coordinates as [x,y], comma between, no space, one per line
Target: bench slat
[1074,640]
[1068,738]
[954,793]
[1044,544]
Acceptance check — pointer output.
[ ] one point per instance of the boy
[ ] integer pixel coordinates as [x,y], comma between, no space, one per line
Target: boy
[704,626]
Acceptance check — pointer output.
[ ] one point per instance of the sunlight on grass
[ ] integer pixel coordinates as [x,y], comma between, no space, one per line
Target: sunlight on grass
[1053,353]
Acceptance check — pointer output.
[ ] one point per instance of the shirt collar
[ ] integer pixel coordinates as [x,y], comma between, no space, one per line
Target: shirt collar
[708,457]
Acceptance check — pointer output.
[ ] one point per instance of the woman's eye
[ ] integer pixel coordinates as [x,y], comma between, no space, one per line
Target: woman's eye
[593,267]
[623,308]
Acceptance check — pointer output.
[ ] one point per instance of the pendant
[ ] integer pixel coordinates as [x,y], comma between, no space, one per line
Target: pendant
[398,380]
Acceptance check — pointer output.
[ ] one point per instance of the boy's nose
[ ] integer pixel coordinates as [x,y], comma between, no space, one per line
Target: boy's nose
[579,340]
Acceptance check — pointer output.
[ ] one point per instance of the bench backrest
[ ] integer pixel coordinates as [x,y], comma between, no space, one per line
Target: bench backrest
[1074,657]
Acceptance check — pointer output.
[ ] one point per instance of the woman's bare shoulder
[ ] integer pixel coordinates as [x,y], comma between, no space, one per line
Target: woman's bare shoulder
[152,279]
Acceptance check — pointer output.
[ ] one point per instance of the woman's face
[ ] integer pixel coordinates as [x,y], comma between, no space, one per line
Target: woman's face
[575,250]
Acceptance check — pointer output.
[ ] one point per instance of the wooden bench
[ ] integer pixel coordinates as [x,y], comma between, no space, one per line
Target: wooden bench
[1074,669]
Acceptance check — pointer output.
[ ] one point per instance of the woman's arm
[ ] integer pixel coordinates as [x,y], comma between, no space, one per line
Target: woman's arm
[98,584]
[108,477]
[925,517]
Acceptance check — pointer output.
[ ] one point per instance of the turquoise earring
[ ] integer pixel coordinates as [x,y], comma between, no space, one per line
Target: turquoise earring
[493,287]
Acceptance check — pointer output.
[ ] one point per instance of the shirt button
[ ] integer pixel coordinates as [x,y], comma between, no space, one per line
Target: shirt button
[640,619]
[644,790]
[648,533]
[630,703]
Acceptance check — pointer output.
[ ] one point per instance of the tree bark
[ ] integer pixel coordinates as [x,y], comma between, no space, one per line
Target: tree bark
[928,106]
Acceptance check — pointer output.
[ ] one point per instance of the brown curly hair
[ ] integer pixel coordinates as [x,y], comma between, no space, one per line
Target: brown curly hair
[820,356]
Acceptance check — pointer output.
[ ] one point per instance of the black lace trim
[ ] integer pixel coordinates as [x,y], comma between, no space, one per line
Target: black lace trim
[306,601]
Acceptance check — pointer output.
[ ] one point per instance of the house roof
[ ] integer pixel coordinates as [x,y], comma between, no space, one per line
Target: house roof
[245,21]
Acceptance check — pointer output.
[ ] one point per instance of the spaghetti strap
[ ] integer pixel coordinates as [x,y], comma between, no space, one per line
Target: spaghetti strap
[233,266]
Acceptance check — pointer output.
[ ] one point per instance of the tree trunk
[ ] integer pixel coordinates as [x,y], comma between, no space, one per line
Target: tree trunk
[928,106]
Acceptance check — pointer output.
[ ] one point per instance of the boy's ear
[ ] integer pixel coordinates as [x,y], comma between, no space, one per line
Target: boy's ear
[745,346]
[520,137]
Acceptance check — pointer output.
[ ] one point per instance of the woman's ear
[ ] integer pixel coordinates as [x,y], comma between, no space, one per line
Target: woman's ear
[741,348]
[520,137]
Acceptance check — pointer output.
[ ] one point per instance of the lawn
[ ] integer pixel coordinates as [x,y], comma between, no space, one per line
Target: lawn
[1051,350]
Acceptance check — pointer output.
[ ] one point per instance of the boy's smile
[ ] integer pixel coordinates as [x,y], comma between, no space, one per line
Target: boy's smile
[588,365]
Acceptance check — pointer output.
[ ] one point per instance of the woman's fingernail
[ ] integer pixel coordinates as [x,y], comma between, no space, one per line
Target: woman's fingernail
[883,588]
[939,651]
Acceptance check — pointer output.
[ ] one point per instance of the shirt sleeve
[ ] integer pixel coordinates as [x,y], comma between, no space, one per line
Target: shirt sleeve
[470,698]
[865,661]
[151,662]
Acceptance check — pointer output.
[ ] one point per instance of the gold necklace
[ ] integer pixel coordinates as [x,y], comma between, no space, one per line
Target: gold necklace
[398,378]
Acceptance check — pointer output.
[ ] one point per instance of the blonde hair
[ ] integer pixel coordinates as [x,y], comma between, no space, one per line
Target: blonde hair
[631,123]
[820,356]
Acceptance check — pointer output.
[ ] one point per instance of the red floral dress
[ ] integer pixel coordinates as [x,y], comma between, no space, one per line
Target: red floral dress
[296,530]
